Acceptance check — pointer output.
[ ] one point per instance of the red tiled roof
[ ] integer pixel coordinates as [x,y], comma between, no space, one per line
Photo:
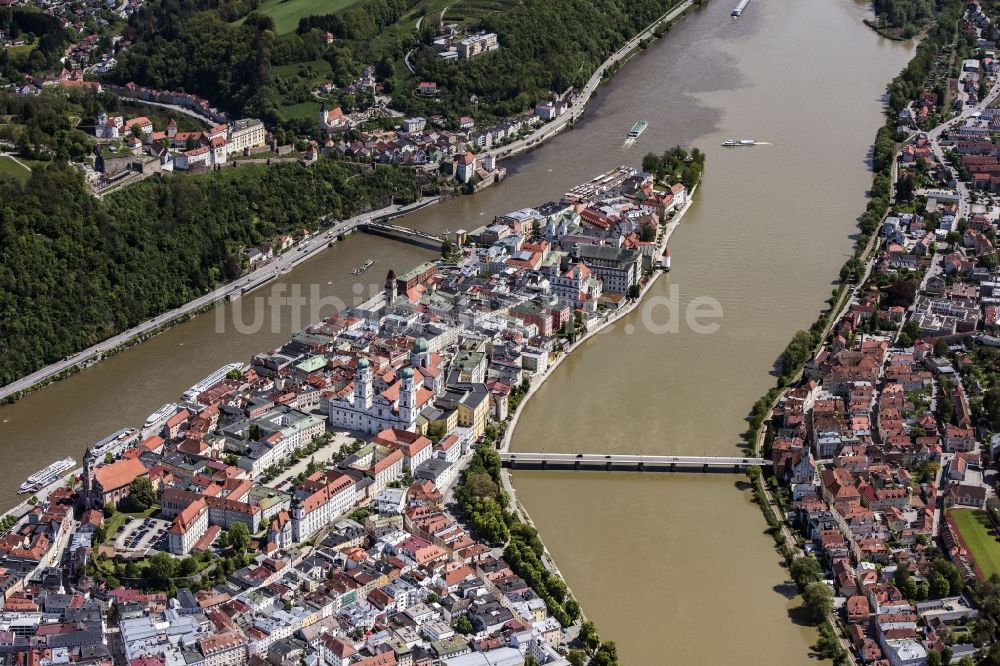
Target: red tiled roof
[119,474]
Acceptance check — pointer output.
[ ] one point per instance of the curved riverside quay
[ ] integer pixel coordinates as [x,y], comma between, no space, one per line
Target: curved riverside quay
[675,568]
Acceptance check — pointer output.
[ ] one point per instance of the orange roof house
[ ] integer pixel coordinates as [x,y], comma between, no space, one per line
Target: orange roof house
[111,482]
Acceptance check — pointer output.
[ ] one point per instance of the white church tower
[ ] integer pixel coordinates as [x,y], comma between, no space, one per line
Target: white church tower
[363,385]
[407,396]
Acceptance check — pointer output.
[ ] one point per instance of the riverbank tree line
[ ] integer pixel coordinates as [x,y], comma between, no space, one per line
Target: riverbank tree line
[904,17]
[806,572]
[943,34]
[486,508]
[78,270]
[676,165]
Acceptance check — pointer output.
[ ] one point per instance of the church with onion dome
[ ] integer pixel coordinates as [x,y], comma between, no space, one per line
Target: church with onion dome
[361,408]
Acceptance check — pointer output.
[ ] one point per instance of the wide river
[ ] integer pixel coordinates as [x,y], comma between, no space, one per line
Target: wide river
[674,567]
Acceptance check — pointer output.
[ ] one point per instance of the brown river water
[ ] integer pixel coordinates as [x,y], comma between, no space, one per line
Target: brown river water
[674,568]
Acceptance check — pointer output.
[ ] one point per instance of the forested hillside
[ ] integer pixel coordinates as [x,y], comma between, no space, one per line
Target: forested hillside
[39,127]
[26,23]
[180,47]
[76,270]
[545,45]
[184,45]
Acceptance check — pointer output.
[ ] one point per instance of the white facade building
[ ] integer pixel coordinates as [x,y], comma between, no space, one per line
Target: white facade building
[470,47]
[245,133]
[189,526]
[333,500]
[396,407]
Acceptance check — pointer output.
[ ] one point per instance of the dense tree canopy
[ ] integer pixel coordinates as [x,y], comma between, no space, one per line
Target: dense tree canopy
[545,45]
[904,13]
[77,270]
[911,80]
[238,536]
[40,128]
[30,24]
[141,495]
[797,352]
[361,22]
[817,601]
[676,165]
[180,48]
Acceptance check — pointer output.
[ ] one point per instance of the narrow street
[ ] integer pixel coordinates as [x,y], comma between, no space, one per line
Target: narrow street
[934,135]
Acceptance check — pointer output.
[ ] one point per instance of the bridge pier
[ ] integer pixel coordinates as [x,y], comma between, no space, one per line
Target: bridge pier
[641,466]
[607,465]
[545,464]
[576,464]
[704,468]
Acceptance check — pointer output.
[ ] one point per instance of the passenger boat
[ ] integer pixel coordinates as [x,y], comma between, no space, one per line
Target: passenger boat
[158,418]
[733,143]
[115,444]
[363,267]
[191,395]
[44,477]
[637,129]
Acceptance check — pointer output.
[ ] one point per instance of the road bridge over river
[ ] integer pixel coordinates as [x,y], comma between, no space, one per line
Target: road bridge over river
[626,462]
[403,234]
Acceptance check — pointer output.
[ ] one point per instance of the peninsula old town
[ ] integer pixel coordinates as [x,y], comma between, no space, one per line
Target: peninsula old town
[346,499]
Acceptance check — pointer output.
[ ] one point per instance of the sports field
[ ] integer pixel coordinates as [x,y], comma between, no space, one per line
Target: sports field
[286,13]
[976,532]
[9,167]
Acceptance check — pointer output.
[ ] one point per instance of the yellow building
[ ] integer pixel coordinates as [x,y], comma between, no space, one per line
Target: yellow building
[437,421]
[472,402]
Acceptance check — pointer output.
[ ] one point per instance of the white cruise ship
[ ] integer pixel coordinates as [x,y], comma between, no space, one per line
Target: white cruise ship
[44,477]
[191,395]
[157,419]
[116,443]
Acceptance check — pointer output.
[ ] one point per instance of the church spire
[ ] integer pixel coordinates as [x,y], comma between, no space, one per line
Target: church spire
[391,290]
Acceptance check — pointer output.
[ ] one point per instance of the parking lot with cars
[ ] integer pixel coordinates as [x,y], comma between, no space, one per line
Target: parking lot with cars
[141,534]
